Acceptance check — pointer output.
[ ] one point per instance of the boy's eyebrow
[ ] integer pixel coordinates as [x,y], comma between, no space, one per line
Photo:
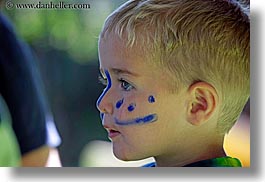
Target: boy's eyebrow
[118,71]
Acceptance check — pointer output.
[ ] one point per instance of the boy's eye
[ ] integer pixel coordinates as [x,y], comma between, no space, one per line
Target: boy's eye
[125,85]
[102,80]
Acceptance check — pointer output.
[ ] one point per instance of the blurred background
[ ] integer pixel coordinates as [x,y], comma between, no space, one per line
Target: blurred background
[65,44]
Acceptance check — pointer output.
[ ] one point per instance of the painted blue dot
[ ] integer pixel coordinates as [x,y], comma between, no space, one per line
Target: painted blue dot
[131,107]
[119,103]
[151,99]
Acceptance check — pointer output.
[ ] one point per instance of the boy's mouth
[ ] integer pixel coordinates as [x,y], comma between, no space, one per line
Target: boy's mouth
[113,133]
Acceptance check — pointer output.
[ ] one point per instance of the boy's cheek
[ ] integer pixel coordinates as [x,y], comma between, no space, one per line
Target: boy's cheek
[123,107]
[121,113]
[127,109]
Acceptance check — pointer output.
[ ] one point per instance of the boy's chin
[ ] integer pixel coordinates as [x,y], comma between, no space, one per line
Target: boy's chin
[126,157]
[122,157]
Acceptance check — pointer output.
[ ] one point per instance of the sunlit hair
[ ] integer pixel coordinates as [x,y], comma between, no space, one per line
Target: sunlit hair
[196,40]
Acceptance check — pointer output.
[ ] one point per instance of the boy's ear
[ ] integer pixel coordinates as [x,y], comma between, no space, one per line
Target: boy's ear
[202,104]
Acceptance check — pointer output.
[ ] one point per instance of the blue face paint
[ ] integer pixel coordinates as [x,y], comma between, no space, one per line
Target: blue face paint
[131,107]
[106,89]
[119,103]
[151,99]
[141,120]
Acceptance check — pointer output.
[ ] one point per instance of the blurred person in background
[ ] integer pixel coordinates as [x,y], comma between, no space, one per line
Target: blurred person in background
[22,90]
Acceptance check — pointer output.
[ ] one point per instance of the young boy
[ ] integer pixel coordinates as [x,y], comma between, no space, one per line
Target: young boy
[177,79]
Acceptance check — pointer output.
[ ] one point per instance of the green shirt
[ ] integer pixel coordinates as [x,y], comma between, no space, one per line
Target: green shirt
[216,162]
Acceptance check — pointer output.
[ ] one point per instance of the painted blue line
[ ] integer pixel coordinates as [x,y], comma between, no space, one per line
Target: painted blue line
[106,89]
[141,120]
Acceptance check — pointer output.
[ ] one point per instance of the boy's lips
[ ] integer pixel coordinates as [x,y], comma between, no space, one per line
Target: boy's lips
[113,133]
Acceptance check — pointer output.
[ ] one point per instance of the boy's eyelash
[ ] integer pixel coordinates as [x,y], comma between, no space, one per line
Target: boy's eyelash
[127,87]
[102,80]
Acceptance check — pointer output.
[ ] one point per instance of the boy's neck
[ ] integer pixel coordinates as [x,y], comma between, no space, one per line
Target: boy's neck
[193,155]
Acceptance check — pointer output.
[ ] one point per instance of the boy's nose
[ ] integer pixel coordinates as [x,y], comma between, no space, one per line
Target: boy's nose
[104,104]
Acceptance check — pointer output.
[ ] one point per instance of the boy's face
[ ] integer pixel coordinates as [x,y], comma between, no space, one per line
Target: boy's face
[142,117]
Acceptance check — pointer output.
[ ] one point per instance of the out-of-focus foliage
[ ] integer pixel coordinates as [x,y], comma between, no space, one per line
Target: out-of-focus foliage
[71,30]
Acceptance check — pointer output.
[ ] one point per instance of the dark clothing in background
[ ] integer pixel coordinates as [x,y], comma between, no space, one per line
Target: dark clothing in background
[21,88]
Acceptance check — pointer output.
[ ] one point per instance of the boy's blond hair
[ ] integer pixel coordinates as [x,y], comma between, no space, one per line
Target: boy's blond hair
[197,40]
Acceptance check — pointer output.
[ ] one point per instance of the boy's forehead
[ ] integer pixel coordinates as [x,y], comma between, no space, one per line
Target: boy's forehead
[110,38]
[112,41]
[113,49]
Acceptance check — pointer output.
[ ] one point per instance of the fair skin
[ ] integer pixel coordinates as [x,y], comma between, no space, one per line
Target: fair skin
[36,158]
[185,128]
[39,157]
